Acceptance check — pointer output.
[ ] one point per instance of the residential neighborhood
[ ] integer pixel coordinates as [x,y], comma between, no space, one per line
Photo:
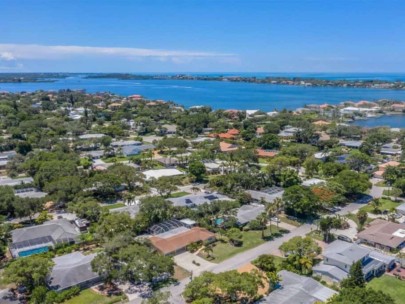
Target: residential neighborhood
[125,200]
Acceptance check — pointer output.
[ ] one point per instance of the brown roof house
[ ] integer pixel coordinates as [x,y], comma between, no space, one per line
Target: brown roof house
[174,236]
[383,235]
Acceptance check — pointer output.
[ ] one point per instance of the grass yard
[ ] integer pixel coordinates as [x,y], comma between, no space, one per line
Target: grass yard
[113,206]
[178,194]
[390,285]
[115,159]
[286,220]
[316,234]
[386,204]
[353,217]
[89,296]
[251,239]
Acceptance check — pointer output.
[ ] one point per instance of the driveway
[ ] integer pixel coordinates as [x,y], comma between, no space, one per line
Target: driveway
[185,260]
[236,261]
[351,232]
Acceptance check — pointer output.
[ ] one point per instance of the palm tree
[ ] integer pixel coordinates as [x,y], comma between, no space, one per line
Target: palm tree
[375,203]
[305,265]
[271,211]
[263,220]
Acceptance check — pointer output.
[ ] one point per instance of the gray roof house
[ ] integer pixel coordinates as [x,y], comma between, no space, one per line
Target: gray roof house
[351,143]
[401,209]
[71,270]
[268,195]
[194,200]
[30,193]
[130,150]
[295,288]
[339,256]
[12,182]
[36,239]
[391,149]
[247,213]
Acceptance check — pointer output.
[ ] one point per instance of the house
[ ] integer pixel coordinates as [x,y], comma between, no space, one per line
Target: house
[321,123]
[248,213]
[168,161]
[401,209]
[295,288]
[227,147]
[383,167]
[339,256]
[131,150]
[391,149]
[312,182]
[259,131]
[398,107]
[170,129]
[91,136]
[73,269]
[123,143]
[173,236]
[262,153]
[29,193]
[355,144]
[289,131]
[383,235]
[12,182]
[5,157]
[194,200]
[132,210]
[161,173]
[36,239]
[268,194]
[213,167]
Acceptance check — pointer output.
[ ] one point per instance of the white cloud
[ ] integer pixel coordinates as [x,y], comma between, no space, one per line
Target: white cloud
[6,56]
[55,52]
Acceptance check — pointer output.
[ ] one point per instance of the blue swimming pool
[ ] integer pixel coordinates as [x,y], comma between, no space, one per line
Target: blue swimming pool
[219,221]
[33,251]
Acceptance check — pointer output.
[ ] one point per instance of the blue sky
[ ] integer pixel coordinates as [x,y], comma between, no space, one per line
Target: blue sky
[202,36]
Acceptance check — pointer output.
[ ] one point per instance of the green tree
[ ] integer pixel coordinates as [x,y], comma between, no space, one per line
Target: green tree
[197,169]
[358,161]
[29,272]
[235,236]
[361,296]
[158,297]
[353,182]
[300,201]
[164,185]
[362,217]
[115,224]
[128,175]
[265,262]
[89,209]
[224,287]
[355,278]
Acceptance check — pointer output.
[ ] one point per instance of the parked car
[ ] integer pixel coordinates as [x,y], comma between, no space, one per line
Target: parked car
[344,238]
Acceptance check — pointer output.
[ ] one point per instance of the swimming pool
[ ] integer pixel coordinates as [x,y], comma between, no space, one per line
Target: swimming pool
[33,251]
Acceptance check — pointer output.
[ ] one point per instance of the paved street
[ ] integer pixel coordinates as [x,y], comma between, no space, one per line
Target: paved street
[237,261]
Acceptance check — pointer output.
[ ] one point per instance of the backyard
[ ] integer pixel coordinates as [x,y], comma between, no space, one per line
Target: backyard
[89,296]
[113,206]
[251,239]
[390,285]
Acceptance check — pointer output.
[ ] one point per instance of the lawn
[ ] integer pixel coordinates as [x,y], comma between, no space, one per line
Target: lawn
[354,218]
[251,239]
[89,296]
[113,206]
[386,204]
[287,220]
[115,159]
[390,285]
[178,194]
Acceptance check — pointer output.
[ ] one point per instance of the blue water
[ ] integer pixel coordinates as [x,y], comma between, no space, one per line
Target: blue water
[225,95]
[393,121]
[33,251]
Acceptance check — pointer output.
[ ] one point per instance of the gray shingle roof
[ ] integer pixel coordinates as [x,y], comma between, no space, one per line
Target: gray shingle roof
[345,252]
[194,200]
[296,289]
[71,270]
[247,213]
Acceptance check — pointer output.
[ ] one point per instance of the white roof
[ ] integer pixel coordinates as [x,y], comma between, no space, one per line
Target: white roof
[312,181]
[161,172]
